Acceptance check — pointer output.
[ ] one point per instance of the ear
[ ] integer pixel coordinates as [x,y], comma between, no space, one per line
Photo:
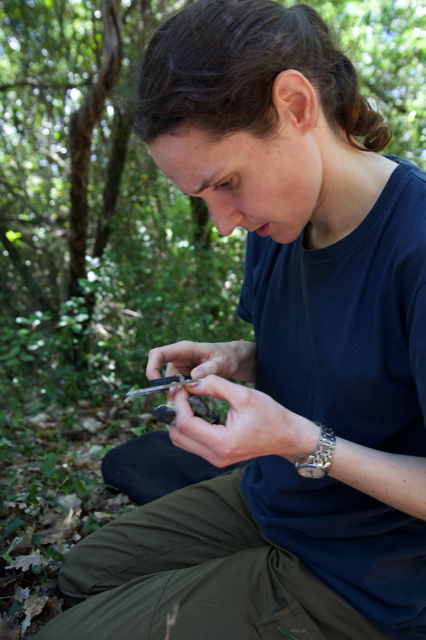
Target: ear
[295,100]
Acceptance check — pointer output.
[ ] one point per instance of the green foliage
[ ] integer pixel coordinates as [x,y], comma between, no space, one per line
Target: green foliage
[288,635]
[387,41]
[15,524]
[90,525]
[155,284]
[183,294]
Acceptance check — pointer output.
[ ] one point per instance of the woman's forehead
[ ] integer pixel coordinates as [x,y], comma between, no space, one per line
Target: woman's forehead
[195,146]
[192,161]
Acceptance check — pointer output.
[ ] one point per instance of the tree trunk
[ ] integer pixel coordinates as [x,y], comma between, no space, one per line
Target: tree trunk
[116,162]
[81,130]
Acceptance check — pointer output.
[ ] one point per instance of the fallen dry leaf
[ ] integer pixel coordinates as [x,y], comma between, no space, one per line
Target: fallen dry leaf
[102,515]
[32,607]
[21,594]
[25,562]
[61,529]
[51,609]
[70,501]
[92,425]
[8,630]
[23,547]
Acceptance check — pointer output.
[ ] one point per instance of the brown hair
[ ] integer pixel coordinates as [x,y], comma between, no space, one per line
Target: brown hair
[213,66]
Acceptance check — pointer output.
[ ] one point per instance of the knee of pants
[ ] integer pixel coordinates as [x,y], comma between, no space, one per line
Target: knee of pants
[74,578]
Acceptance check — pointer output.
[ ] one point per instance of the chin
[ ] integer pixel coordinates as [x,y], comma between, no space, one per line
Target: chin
[284,238]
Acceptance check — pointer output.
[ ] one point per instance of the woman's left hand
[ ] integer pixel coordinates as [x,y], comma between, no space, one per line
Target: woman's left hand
[256,425]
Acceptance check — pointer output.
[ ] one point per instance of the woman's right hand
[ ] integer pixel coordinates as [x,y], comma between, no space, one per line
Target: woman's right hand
[225,359]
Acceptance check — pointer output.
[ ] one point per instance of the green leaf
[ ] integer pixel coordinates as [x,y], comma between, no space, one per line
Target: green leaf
[81,317]
[287,634]
[90,524]
[15,524]
[138,431]
[14,544]
[13,362]
[58,504]
[13,235]
[105,450]
[26,357]
[14,608]
[55,555]
[36,540]
[81,476]
[65,321]
[77,328]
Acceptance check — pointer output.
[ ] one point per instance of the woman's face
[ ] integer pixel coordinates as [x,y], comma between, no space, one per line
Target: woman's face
[271,186]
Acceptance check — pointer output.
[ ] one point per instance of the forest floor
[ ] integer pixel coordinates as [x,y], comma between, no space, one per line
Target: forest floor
[53,495]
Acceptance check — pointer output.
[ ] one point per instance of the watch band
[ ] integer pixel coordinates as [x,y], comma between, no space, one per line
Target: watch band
[318,463]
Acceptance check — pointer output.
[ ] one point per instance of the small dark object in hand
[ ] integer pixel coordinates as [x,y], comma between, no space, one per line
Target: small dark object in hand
[200,408]
[163,384]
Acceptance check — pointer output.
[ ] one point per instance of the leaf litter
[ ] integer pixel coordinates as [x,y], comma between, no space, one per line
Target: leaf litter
[52,495]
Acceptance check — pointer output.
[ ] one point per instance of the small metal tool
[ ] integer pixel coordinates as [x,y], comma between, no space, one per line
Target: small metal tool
[163,384]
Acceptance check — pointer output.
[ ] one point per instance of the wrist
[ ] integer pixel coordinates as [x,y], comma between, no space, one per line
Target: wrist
[304,440]
[318,463]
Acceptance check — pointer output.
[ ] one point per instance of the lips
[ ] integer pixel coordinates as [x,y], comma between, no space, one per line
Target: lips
[263,231]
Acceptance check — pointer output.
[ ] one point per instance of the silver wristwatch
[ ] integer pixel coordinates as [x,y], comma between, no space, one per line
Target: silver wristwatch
[318,463]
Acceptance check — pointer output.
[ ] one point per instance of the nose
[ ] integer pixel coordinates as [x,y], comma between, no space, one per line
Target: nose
[225,216]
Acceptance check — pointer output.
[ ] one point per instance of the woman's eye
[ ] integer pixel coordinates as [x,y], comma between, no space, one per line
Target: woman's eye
[225,185]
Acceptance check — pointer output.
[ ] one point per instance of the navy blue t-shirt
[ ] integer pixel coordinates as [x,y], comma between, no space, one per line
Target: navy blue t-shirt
[341,338]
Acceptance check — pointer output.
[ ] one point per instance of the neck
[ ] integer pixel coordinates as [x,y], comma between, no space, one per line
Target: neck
[352,182]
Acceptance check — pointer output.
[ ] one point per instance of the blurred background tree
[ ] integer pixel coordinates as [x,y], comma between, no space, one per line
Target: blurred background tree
[101,258]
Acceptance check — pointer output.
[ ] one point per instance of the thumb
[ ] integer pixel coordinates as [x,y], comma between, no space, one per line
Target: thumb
[216,387]
[209,368]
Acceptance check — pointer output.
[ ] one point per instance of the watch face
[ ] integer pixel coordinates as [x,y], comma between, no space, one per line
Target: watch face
[311,472]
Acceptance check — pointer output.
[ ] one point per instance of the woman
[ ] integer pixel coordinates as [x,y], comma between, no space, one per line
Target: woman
[253,108]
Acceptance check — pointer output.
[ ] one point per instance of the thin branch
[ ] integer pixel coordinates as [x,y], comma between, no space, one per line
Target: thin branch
[171,620]
[52,155]
[128,11]
[381,95]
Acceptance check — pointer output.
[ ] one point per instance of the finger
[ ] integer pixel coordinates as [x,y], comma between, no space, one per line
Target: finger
[160,355]
[211,367]
[156,360]
[171,371]
[217,387]
[197,429]
[182,441]
[181,404]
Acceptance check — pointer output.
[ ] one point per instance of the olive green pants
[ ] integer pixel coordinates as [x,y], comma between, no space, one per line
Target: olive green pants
[199,547]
